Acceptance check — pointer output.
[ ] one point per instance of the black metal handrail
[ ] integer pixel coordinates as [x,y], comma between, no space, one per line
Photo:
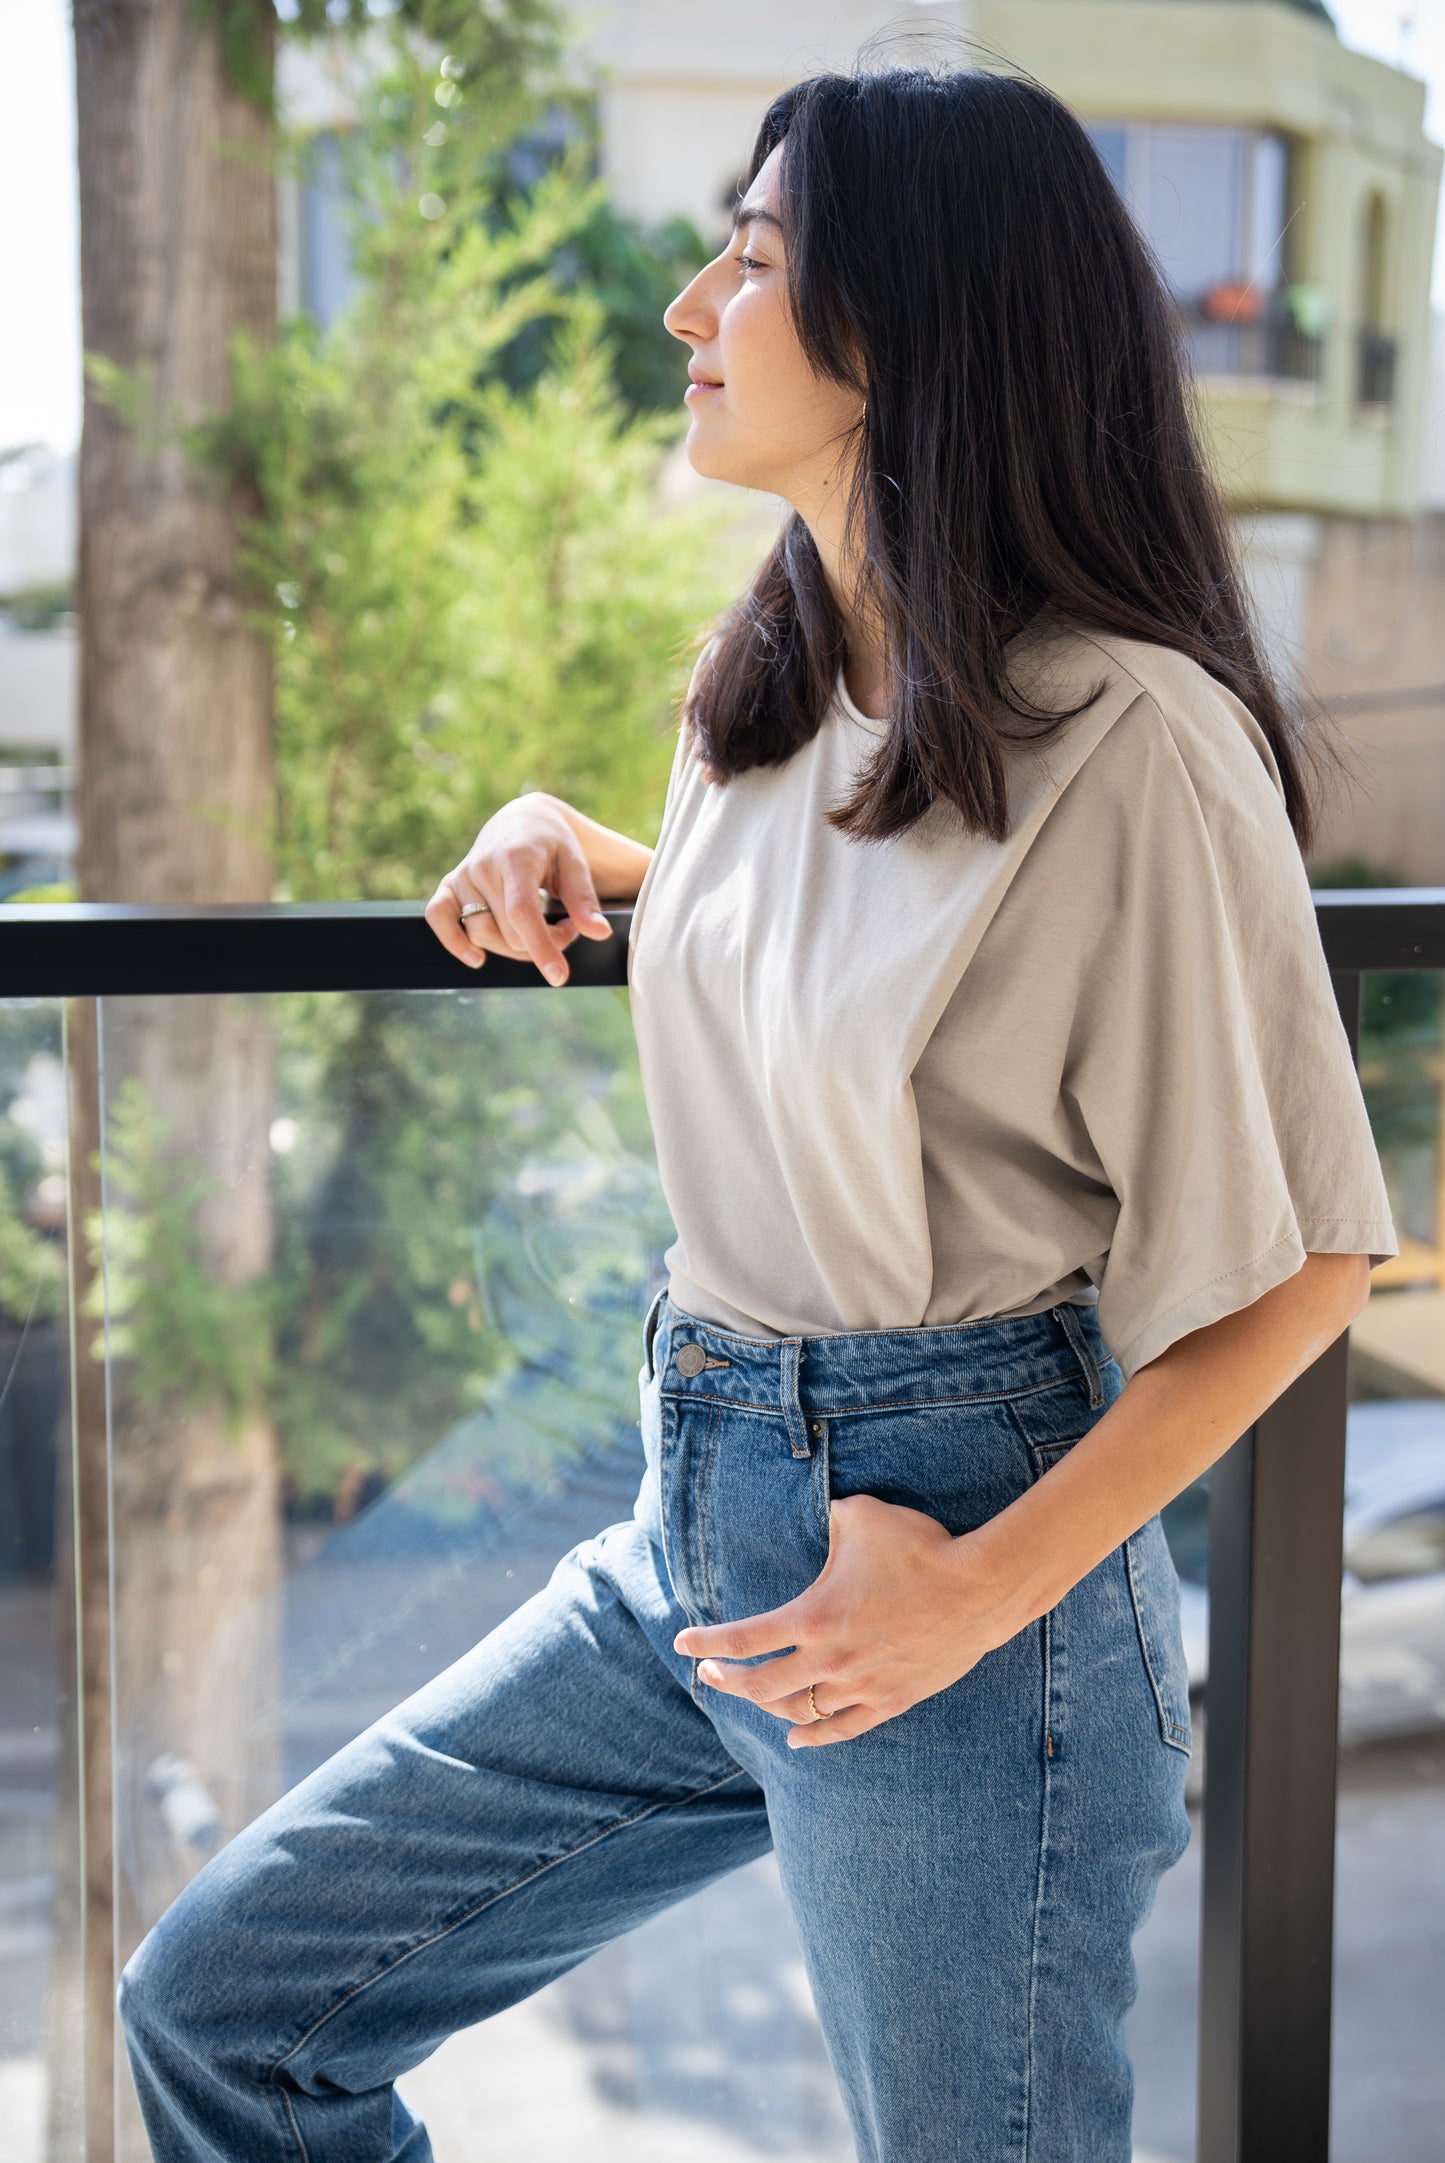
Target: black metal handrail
[1276,1498]
[118,949]
[112,949]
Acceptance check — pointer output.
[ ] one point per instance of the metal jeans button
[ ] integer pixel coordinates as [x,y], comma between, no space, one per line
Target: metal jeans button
[691,1360]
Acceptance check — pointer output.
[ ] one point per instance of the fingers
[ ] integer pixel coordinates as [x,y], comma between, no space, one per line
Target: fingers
[491,930]
[578,895]
[443,913]
[775,1681]
[522,924]
[777,1631]
[822,1702]
[838,1727]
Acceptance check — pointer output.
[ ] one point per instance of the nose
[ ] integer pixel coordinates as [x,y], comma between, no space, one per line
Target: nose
[688,317]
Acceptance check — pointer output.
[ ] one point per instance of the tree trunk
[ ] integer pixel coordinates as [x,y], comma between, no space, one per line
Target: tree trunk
[177,254]
[175,799]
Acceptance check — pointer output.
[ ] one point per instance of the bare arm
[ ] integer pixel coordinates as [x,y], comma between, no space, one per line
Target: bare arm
[903,1608]
[536,842]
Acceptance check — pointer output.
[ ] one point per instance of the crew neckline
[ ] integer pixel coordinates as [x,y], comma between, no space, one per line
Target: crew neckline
[855,713]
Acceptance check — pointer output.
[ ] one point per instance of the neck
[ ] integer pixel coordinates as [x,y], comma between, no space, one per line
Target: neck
[824,512]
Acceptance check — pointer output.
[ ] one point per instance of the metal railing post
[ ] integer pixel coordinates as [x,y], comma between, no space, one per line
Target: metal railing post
[1276,1516]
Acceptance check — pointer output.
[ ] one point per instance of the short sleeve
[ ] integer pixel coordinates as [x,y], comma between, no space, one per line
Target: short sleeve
[1208,1062]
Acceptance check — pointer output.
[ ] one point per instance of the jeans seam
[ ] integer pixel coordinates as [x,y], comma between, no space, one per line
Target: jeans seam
[893,1404]
[712,1441]
[503,1892]
[1045,1811]
[1176,1736]
[820,1481]
[292,2120]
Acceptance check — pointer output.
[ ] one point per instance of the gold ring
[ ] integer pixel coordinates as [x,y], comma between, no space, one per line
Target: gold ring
[814,1703]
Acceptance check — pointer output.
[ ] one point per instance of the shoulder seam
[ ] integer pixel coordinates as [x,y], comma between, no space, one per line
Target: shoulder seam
[1125,670]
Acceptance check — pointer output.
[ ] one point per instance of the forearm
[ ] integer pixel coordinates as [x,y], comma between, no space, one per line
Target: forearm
[617,864]
[1169,1424]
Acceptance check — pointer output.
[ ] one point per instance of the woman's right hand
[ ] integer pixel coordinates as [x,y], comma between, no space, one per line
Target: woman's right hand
[524,847]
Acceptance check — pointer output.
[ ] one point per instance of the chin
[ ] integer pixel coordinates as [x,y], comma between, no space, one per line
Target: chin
[712,463]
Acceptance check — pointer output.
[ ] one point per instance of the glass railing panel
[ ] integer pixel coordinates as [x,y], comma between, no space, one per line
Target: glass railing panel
[1389,2083]
[41,2020]
[374,1272]
[375,1269]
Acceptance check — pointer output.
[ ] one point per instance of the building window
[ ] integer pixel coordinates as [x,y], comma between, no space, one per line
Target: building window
[1375,372]
[1213,204]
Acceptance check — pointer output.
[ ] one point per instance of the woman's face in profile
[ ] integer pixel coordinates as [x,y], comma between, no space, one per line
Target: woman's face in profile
[760,415]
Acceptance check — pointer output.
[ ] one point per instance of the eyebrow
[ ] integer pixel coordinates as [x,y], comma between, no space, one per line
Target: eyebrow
[754,214]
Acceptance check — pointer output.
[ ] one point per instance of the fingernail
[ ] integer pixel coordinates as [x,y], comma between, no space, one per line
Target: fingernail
[555,973]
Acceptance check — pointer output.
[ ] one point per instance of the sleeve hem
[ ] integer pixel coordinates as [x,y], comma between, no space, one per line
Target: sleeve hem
[1240,1287]
[1213,1301]
[1373,1236]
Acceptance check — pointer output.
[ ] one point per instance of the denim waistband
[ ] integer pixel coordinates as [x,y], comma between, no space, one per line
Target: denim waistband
[856,1369]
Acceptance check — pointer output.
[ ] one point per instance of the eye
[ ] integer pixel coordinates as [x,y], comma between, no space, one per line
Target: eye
[749,262]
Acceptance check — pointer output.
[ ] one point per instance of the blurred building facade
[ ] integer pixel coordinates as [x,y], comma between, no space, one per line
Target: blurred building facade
[1289,191]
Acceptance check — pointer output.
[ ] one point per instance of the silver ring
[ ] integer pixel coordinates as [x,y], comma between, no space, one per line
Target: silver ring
[476,908]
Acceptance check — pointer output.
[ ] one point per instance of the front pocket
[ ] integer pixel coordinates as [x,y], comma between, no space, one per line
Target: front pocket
[1154,1591]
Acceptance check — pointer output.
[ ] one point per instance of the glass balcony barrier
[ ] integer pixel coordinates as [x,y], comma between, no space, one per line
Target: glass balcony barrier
[320,1308]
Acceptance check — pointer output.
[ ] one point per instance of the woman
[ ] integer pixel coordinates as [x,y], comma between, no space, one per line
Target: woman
[1017,1162]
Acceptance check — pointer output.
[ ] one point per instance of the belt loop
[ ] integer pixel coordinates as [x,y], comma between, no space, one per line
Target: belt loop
[792,1352]
[1073,1329]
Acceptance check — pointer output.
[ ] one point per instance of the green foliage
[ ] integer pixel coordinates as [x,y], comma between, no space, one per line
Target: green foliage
[39,608]
[470,587]
[32,1260]
[467,1183]
[456,550]
[195,1342]
[32,1267]
[471,1175]
[507,40]
[59,890]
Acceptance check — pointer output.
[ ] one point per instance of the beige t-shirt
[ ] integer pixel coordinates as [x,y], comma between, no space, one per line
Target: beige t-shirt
[943,1078]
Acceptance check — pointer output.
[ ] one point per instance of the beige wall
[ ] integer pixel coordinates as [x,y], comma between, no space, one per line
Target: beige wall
[684,86]
[1374,647]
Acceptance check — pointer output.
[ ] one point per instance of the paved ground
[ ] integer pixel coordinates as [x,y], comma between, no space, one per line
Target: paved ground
[694,2038]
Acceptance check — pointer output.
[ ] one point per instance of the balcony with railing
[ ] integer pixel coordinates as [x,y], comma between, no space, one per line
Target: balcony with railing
[306,1381]
[1234,331]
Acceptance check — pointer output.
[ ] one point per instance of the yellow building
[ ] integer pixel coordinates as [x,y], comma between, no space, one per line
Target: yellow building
[1288,187]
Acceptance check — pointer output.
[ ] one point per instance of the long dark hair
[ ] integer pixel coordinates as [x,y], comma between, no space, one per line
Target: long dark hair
[957,253]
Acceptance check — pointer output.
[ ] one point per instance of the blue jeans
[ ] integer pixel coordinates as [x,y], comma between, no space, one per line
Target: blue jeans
[966,1880]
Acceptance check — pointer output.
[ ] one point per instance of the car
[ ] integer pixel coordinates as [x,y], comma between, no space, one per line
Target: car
[1392,1597]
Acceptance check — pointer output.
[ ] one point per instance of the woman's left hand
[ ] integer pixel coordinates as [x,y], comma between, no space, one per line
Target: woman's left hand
[896,1614]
